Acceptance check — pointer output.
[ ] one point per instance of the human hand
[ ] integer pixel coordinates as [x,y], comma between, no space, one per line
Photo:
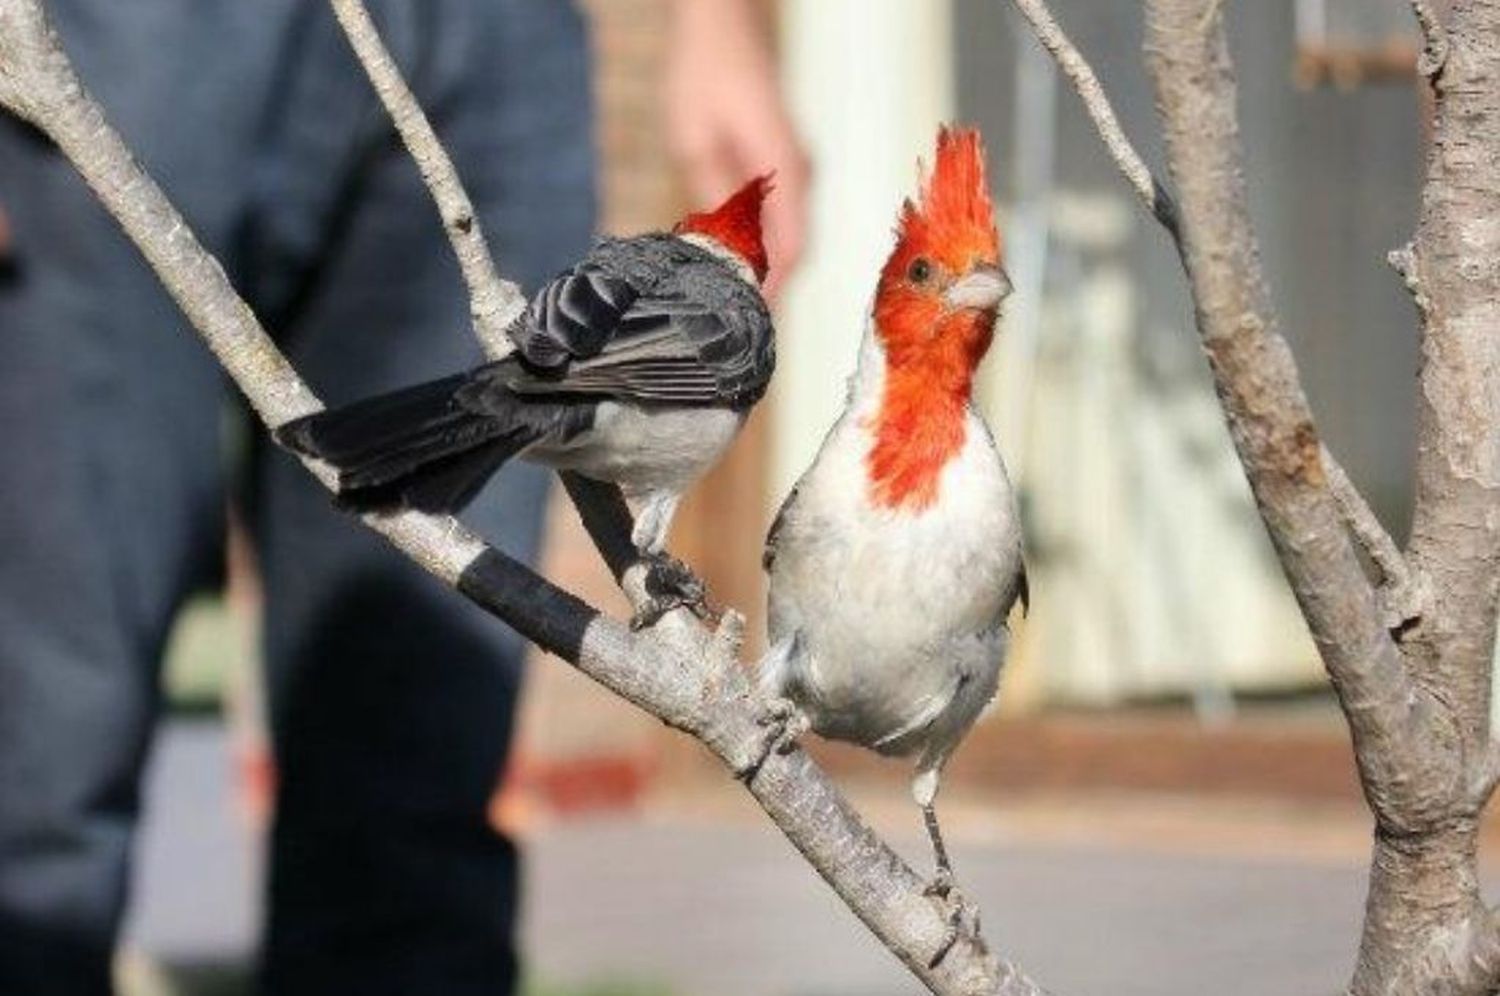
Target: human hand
[726,120]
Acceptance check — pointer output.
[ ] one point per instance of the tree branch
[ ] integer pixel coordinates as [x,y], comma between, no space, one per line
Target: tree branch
[1153,195]
[1256,376]
[1417,733]
[1400,594]
[494,303]
[683,674]
[1452,271]
[1400,730]
[1078,71]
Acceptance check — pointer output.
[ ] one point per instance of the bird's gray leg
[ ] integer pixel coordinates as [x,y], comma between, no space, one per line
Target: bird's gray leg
[942,882]
[962,916]
[670,584]
[783,721]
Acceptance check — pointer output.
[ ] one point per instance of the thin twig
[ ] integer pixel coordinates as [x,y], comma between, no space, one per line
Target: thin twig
[1086,83]
[1399,589]
[494,303]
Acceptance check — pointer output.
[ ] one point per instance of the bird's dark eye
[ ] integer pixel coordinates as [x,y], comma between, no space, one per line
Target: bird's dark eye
[919,271]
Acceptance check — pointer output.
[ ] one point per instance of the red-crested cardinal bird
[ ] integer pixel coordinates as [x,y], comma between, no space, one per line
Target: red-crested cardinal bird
[896,559]
[635,367]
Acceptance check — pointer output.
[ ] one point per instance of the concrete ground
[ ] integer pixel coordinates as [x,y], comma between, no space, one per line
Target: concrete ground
[1115,895]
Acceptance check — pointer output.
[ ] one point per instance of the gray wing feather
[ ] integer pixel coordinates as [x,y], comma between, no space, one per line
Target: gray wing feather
[697,336]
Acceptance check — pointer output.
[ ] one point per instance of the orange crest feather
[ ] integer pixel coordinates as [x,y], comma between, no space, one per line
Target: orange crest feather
[953,220]
[931,352]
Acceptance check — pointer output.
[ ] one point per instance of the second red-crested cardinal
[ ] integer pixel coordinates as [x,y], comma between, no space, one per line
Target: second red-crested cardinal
[636,367]
[895,561]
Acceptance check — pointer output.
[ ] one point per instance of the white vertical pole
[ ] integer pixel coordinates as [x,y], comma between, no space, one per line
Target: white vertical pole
[869,82]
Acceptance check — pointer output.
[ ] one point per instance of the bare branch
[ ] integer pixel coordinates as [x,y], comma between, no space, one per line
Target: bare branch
[494,302]
[1078,71]
[1153,195]
[1399,593]
[1415,733]
[681,673]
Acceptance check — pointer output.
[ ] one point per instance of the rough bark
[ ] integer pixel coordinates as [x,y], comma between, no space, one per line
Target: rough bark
[1426,922]
[685,675]
[1455,278]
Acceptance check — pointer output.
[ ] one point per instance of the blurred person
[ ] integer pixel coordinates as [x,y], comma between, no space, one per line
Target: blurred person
[391,700]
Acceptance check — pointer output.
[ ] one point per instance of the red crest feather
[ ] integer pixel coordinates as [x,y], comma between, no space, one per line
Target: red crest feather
[735,224]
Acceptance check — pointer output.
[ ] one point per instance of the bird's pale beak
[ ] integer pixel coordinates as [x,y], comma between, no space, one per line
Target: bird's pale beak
[982,288]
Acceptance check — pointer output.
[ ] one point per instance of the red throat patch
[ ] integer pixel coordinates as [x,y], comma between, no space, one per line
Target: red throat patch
[735,224]
[931,349]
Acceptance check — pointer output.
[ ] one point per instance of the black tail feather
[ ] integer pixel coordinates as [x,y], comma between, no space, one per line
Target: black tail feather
[443,485]
[413,448]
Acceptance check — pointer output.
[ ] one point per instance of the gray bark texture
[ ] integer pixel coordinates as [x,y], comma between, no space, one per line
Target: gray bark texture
[684,674]
[1409,657]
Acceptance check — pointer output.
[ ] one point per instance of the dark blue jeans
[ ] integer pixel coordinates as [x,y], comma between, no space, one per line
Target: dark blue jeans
[391,700]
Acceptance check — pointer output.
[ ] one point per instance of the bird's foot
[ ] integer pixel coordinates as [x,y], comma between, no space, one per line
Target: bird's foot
[670,584]
[784,725]
[960,916]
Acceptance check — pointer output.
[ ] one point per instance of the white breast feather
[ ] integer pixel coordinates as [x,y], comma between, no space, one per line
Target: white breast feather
[898,612]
